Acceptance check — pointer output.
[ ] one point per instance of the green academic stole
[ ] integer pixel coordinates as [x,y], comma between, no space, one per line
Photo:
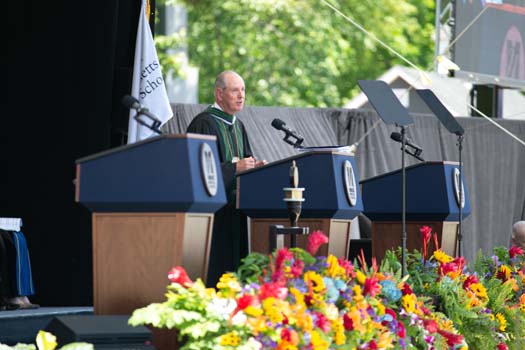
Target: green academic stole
[230,134]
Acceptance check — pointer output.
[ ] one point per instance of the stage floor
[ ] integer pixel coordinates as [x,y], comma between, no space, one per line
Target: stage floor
[22,326]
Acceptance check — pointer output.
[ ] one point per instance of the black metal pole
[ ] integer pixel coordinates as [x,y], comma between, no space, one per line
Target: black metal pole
[403,206]
[460,233]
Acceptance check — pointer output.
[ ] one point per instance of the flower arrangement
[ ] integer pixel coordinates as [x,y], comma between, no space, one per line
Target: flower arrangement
[294,300]
[47,341]
[487,304]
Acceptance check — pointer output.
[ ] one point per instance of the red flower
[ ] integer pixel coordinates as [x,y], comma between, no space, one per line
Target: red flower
[244,301]
[431,326]
[453,268]
[322,322]
[290,336]
[282,255]
[391,313]
[406,289]
[179,275]
[470,280]
[426,232]
[502,346]
[275,290]
[452,339]
[372,345]
[297,268]
[401,331]
[315,240]
[348,323]
[348,266]
[515,250]
[372,287]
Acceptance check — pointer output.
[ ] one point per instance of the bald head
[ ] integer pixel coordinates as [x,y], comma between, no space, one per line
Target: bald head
[518,234]
[229,91]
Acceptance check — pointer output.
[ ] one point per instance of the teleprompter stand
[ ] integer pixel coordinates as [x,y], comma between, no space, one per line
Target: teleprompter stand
[391,111]
[452,125]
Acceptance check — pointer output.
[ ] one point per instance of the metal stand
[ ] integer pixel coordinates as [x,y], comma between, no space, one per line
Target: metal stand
[277,233]
[461,201]
[403,205]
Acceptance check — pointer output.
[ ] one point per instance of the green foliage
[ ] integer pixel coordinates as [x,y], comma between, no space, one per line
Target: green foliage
[302,53]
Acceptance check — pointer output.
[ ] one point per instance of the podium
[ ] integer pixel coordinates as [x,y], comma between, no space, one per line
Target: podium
[152,203]
[432,199]
[332,199]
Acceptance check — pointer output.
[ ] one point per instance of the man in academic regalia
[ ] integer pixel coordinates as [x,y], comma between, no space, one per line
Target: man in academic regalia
[229,242]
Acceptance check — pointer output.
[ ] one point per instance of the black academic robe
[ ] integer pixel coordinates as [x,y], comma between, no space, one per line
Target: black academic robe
[229,241]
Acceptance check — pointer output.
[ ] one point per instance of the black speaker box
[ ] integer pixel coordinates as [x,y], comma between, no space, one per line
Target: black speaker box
[104,332]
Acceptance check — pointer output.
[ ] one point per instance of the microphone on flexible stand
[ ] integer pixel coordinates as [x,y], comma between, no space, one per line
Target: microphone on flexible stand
[417,150]
[280,125]
[132,103]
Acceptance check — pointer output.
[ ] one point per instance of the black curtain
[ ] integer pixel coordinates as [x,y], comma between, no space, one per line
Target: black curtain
[67,65]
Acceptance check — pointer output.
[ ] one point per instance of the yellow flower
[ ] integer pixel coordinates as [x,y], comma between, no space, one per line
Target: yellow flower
[46,341]
[491,317]
[512,281]
[334,269]
[361,277]
[339,329]
[253,311]
[318,342]
[315,280]
[505,270]
[502,322]
[285,345]
[385,341]
[479,290]
[299,297]
[442,257]
[229,282]
[357,292]
[229,339]
[275,309]
[409,303]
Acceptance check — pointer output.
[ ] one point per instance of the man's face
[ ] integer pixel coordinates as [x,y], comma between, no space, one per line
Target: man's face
[231,98]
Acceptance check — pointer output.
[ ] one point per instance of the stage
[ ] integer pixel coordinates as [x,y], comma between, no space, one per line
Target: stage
[22,326]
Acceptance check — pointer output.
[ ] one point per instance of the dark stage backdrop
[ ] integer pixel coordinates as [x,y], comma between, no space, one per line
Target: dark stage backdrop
[494,163]
[67,65]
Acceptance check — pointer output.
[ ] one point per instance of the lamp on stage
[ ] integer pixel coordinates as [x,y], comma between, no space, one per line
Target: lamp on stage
[452,125]
[391,111]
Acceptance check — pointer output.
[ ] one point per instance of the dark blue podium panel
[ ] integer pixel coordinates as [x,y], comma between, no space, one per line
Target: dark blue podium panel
[161,174]
[432,193]
[322,174]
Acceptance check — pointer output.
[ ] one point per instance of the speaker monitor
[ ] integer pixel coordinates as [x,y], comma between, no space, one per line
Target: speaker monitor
[103,331]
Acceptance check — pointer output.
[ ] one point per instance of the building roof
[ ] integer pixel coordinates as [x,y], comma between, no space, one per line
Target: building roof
[454,93]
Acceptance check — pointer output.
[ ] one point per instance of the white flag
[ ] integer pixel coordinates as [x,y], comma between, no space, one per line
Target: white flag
[148,85]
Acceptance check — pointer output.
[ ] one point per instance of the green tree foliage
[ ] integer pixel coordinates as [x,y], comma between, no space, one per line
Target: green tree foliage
[301,52]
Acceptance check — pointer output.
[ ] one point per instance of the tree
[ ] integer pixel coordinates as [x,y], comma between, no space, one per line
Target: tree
[301,53]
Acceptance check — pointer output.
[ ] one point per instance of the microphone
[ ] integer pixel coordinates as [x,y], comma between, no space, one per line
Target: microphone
[132,103]
[397,137]
[280,125]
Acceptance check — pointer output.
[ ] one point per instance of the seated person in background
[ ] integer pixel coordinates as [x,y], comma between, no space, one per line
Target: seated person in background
[16,282]
[518,234]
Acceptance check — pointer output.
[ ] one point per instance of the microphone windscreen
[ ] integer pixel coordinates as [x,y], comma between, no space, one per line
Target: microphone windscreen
[396,136]
[278,124]
[130,102]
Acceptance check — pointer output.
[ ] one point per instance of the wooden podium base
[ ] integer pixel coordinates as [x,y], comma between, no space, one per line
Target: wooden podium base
[338,232]
[133,252]
[387,236]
